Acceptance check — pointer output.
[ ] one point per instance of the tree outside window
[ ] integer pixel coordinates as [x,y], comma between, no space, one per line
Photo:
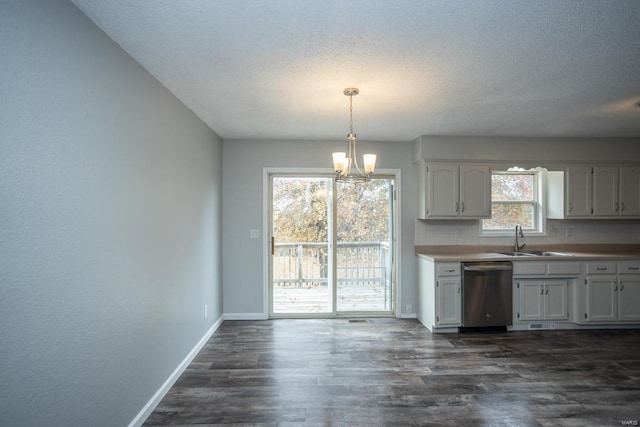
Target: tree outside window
[514,201]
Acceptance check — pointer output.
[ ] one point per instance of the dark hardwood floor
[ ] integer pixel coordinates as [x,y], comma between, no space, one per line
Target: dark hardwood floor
[395,373]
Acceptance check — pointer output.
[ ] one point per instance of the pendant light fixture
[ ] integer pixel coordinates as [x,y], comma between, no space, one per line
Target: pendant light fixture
[344,161]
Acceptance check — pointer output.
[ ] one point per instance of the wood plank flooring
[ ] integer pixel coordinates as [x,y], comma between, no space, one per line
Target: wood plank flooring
[390,372]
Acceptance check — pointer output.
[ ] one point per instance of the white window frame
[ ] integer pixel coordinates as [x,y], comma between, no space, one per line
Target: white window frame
[539,204]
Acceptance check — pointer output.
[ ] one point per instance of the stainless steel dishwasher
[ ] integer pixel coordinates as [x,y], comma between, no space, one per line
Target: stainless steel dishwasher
[487,294]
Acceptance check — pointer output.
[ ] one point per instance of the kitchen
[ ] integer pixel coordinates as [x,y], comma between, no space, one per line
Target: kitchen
[601,252]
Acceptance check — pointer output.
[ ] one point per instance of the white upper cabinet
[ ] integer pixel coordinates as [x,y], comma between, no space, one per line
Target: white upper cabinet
[630,190]
[579,186]
[605,190]
[475,191]
[449,190]
[601,192]
[443,190]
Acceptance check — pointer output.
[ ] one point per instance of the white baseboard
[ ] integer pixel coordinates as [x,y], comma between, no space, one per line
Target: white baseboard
[407,316]
[245,316]
[157,397]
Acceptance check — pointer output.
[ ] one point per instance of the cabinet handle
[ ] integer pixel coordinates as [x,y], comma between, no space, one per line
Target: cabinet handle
[458,289]
[622,207]
[462,207]
[541,290]
[615,289]
[621,288]
[634,268]
[449,271]
[570,206]
[547,292]
[457,207]
[617,207]
[601,268]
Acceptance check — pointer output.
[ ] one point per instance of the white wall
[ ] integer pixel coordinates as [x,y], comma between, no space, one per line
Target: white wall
[244,162]
[552,153]
[110,218]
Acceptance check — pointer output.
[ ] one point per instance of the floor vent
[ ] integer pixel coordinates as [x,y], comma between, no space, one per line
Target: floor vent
[538,326]
[358,321]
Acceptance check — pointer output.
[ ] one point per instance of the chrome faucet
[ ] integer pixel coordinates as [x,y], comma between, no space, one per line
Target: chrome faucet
[519,233]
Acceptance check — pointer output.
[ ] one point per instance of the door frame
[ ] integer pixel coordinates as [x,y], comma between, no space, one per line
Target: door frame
[266,235]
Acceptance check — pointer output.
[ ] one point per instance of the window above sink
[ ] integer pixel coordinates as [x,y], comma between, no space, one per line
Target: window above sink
[517,198]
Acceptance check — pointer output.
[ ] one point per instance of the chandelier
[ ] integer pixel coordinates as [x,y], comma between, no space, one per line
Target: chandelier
[343,161]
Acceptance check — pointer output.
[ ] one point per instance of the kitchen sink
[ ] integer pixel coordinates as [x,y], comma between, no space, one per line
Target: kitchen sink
[517,254]
[548,253]
[535,253]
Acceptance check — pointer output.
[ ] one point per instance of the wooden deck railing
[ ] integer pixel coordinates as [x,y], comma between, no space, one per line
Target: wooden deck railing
[307,264]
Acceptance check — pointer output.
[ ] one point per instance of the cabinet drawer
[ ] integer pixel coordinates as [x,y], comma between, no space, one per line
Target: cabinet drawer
[629,267]
[564,268]
[529,268]
[601,268]
[449,269]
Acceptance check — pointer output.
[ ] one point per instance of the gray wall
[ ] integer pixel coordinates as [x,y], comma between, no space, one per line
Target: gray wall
[110,218]
[552,153]
[244,162]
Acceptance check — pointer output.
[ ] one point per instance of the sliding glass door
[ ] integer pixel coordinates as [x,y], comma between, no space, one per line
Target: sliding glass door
[301,231]
[332,249]
[364,258]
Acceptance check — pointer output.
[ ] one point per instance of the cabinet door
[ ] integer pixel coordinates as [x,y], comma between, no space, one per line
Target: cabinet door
[602,300]
[556,306]
[579,190]
[530,300]
[629,190]
[475,191]
[448,302]
[442,190]
[629,298]
[605,190]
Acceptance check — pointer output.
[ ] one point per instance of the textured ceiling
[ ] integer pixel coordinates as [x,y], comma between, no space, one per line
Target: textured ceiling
[275,69]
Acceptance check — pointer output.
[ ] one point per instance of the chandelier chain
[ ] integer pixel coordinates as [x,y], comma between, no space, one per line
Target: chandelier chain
[351,114]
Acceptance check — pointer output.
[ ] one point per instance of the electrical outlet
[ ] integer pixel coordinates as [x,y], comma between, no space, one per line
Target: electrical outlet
[205,311]
[409,308]
[254,233]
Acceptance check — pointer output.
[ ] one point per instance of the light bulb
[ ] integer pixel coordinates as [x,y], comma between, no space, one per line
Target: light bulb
[339,161]
[369,163]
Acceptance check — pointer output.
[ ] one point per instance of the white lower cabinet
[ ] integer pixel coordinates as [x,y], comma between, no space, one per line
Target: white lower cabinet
[448,301]
[439,295]
[629,298]
[542,300]
[554,294]
[612,297]
[602,299]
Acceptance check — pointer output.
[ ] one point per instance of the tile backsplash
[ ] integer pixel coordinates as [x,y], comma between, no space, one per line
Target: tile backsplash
[461,232]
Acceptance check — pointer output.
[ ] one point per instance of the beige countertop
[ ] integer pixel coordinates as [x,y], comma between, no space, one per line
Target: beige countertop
[577,252]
